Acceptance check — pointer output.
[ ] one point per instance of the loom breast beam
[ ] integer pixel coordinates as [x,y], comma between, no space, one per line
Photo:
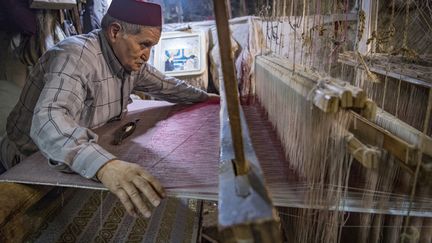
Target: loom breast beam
[246,213]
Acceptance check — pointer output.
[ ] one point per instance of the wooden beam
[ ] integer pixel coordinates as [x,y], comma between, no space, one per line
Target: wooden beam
[403,131]
[230,82]
[350,58]
[375,135]
[370,110]
[367,156]
[246,213]
[328,94]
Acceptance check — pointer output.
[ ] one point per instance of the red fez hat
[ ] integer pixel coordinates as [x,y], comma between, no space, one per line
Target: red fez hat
[136,12]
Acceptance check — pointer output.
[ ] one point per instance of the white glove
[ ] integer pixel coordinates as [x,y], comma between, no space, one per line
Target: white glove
[132,184]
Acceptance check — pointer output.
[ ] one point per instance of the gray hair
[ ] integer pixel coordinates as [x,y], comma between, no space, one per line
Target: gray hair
[127,28]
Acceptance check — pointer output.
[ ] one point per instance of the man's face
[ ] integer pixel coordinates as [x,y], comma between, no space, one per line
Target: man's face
[134,50]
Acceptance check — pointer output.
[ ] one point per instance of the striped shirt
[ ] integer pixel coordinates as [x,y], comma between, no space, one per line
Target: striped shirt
[76,86]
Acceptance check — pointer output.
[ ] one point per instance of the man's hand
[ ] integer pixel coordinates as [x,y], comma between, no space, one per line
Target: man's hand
[132,184]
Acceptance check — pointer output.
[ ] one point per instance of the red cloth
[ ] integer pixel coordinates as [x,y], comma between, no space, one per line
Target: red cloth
[136,12]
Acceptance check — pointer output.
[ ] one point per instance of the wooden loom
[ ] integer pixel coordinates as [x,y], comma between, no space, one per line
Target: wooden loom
[151,139]
[366,136]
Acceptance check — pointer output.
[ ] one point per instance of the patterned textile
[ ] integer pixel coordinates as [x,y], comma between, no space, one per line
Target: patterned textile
[82,85]
[96,216]
[23,209]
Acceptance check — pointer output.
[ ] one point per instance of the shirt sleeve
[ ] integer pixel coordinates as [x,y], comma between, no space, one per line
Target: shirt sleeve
[156,84]
[55,128]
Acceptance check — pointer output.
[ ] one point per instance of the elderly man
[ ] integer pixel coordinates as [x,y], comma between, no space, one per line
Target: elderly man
[84,82]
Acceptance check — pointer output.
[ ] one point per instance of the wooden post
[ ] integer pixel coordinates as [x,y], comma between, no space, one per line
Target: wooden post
[230,83]
[246,213]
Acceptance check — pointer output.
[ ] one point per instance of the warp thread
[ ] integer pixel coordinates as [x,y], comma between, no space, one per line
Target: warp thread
[366,151]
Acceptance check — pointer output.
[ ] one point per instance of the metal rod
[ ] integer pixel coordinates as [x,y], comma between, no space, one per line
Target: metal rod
[230,83]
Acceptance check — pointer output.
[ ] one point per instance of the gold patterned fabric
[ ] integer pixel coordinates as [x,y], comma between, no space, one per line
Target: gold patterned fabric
[98,216]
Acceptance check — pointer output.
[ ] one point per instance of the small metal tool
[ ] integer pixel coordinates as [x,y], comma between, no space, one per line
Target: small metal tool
[124,132]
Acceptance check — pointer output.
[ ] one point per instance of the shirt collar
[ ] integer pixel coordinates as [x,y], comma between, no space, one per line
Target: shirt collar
[112,61]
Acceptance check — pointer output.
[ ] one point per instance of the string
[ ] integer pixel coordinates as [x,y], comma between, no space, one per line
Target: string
[304,33]
[398,97]
[419,161]
[405,35]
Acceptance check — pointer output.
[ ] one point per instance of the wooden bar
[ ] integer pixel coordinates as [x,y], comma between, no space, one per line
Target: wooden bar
[246,213]
[230,83]
[345,95]
[350,59]
[358,94]
[370,110]
[326,100]
[375,135]
[368,157]
[403,131]
[322,91]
